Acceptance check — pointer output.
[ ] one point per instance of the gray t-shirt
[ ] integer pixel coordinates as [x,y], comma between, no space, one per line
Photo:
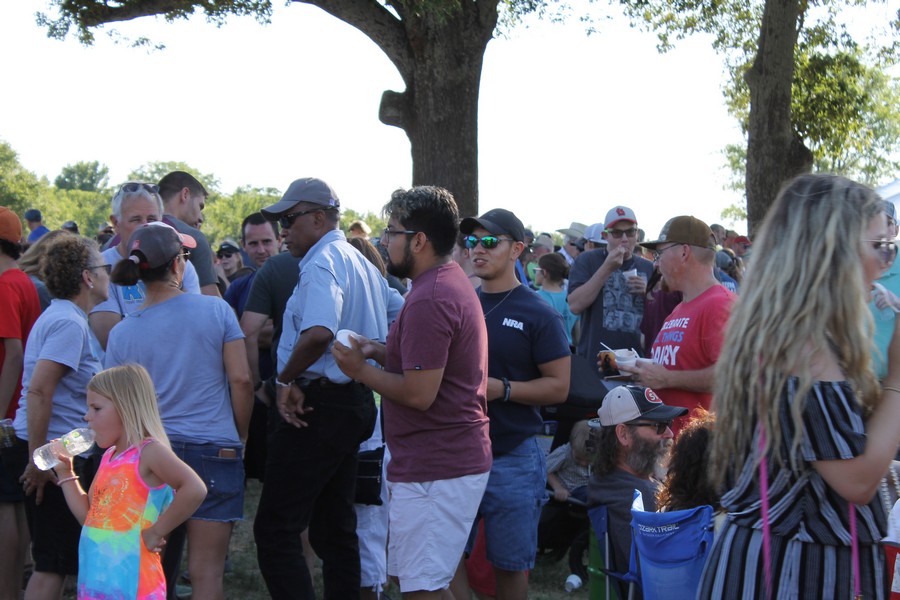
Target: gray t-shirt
[125,299]
[201,256]
[61,334]
[615,490]
[614,318]
[180,343]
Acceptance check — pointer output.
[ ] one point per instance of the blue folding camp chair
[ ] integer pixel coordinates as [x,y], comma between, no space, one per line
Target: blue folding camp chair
[671,548]
[600,576]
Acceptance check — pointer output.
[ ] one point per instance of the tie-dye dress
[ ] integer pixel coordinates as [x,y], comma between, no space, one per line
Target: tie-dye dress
[113,562]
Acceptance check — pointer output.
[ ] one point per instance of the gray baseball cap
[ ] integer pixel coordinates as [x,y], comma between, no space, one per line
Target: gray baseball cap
[156,243]
[308,189]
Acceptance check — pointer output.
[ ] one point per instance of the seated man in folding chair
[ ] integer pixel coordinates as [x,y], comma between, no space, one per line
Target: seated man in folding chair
[632,446]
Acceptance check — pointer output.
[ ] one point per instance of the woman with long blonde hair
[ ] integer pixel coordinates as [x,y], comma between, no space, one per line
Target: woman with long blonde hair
[794,386]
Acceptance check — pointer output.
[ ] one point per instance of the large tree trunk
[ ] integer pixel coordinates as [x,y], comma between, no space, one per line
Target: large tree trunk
[774,152]
[439,109]
[438,48]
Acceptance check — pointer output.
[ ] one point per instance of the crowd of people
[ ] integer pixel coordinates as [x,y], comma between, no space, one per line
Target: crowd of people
[198,367]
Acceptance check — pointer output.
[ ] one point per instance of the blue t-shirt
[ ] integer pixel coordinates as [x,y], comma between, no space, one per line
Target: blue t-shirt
[237,293]
[338,289]
[558,301]
[523,333]
[35,235]
[125,299]
[180,343]
[61,334]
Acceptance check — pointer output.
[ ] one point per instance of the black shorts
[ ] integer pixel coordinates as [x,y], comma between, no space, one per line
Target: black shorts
[54,531]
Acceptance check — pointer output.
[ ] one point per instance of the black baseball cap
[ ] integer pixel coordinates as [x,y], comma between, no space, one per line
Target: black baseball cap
[497,221]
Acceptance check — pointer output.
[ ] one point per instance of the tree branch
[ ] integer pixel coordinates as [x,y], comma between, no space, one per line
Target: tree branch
[378,24]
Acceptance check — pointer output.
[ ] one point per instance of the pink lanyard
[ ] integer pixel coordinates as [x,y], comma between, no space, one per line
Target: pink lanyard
[767,531]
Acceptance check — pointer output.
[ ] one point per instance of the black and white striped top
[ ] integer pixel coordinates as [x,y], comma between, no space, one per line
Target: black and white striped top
[802,506]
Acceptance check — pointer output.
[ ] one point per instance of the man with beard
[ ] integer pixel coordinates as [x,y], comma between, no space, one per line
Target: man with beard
[633,443]
[311,462]
[433,388]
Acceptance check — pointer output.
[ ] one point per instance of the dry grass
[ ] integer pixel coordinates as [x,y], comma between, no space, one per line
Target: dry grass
[245,582]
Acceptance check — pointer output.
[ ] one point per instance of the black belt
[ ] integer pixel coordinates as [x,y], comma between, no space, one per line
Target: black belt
[322,383]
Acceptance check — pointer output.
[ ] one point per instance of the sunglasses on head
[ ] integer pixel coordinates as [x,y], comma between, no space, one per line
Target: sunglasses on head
[136,186]
[487,242]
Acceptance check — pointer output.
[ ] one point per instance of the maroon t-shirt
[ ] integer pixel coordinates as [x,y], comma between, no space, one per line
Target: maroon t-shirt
[441,326]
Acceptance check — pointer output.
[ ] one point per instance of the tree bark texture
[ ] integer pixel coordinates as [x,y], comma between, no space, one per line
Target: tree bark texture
[439,55]
[775,153]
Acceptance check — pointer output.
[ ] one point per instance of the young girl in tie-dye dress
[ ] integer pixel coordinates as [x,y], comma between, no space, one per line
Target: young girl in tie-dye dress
[141,492]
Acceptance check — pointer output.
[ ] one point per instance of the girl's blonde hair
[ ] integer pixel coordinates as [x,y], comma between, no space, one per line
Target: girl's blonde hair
[804,295]
[131,391]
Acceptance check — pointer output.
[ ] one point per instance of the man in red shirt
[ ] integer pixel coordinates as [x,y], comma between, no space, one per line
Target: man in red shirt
[19,309]
[686,348]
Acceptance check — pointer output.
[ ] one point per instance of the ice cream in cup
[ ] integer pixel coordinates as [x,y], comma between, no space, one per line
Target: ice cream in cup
[625,359]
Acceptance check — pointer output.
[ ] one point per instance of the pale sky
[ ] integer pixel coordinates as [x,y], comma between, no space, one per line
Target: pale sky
[570,124]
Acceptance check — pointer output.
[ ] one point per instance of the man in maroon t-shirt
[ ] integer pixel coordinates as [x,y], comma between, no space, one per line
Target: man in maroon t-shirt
[433,388]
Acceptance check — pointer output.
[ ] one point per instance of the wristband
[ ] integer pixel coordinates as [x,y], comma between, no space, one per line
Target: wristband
[282,384]
[62,481]
[507,388]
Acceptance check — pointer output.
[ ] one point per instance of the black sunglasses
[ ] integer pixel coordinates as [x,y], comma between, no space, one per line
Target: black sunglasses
[487,242]
[107,268]
[287,220]
[660,426]
[136,186]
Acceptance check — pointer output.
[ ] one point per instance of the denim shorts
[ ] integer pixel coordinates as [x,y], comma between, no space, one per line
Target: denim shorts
[223,476]
[511,508]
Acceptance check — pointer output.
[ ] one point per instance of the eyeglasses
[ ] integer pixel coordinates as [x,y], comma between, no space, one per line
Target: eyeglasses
[487,242]
[387,233]
[287,220]
[107,268]
[661,426]
[887,249]
[136,186]
[618,233]
[657,253]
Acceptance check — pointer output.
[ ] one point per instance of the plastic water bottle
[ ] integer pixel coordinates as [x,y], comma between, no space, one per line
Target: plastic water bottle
[573,582]
[72,444]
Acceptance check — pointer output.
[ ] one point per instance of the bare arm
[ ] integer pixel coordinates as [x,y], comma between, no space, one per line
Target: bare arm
[47,375]
[655,376]
[415,389]
[160,465]
[311,345]
[76,498]
[581,298]
[101,323]
[857,479]
[235,357]
[10,372]
[552,387]
[251,325]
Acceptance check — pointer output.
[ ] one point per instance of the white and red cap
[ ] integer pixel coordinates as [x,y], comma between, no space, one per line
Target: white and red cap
[619,213]
[631,402]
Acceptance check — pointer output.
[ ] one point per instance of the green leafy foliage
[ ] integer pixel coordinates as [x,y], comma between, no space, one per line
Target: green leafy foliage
[85,176]
[155,170]
[224,214]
